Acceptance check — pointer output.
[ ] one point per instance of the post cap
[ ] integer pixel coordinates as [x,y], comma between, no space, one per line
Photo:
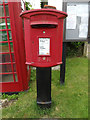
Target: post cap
[49,6]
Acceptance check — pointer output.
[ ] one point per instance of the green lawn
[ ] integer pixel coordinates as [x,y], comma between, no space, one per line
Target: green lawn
[68,101]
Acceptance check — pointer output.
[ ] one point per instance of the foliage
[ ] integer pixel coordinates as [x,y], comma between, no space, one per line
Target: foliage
[68,101]
[75,49]
[77,44]
[33,74]
[28,5]
[10,97]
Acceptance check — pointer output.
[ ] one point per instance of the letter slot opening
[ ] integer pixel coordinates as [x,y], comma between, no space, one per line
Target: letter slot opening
[44,24]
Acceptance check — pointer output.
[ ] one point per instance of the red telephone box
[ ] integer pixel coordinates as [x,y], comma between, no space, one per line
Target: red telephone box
[43,36]
[13,75]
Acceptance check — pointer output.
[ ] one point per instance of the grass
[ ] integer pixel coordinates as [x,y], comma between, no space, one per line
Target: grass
[68,101]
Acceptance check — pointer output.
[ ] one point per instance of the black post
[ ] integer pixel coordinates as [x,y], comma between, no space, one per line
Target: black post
[43,78]
[62,67]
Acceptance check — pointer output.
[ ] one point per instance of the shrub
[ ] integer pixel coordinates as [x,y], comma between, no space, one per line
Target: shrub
[75,49]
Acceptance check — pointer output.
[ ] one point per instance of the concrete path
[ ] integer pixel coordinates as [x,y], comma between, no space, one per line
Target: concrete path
[53,68]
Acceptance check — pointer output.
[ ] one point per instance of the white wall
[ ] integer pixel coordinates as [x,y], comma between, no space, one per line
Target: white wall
[56,3]
[35,3]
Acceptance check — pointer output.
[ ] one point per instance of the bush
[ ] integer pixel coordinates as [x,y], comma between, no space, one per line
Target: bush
[75,49]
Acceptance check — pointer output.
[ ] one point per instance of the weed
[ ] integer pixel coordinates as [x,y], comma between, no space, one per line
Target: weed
[10,97]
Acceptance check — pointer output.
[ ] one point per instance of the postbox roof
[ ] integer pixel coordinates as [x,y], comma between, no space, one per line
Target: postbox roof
[28,13]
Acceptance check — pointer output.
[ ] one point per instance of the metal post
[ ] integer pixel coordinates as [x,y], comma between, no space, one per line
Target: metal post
[63,65]
[43,78]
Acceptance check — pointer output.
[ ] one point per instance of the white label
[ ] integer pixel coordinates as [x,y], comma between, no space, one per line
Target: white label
[83,30]
[71,19]
[44,46]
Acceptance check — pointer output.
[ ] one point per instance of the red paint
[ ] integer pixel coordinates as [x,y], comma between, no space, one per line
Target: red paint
[18,67]
[37,21]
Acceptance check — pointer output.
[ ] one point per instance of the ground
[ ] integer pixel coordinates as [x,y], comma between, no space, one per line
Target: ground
[68,101]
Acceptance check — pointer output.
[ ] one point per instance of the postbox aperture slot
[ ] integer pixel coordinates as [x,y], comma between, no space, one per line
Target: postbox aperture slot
[44,26]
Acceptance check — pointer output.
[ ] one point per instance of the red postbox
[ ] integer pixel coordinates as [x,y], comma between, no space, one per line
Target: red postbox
[43,36]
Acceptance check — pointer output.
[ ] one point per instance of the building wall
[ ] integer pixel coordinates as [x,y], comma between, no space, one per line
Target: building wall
[56,3]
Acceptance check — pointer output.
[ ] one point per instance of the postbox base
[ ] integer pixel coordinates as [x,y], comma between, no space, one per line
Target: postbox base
[43,76]
[44,65]
[44,104]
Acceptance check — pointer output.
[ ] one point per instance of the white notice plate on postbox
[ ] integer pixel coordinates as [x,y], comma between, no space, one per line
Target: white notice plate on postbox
[44,46]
